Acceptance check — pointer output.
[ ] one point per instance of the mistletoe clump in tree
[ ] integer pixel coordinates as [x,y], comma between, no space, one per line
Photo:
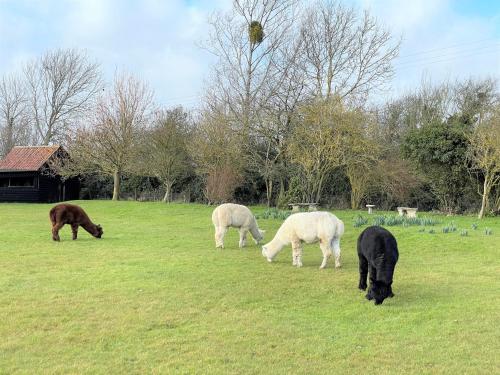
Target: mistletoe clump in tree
[256,32]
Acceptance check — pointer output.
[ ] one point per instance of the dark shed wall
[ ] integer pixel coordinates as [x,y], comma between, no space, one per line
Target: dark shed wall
[72,189]
[47,189]
[19,193]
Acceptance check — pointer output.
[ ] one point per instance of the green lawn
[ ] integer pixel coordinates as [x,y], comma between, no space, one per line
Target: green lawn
[155,296]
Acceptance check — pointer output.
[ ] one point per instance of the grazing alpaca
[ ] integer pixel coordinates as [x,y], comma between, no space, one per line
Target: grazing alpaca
[237,216]
[75,216]
[307,227]
[378,253]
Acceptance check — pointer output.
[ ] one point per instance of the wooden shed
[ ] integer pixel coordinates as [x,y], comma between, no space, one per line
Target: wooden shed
[26,176]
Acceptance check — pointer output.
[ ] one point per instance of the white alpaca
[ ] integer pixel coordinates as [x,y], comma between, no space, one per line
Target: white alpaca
[237,216]
[307,227]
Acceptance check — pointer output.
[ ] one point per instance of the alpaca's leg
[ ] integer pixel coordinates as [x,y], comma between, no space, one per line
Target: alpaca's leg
[220,232]
[363,272]
[216,237]
[74,229]
[327,252]
[373,274]
[55,231]
[390,294]
[336,251]
[373,278]
[243,237]
[296,253]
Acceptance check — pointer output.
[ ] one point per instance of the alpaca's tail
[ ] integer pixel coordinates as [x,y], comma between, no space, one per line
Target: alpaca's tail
[52,215]
[339,230]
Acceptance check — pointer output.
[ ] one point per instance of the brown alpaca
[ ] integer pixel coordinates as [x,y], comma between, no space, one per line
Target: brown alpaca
[75,216]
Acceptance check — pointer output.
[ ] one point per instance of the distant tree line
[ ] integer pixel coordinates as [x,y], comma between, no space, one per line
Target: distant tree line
[286,116]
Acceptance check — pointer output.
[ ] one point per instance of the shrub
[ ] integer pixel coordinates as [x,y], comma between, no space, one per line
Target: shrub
[273,213]
[451,227]
[221,184]
[464,233]
[360,221]
[488,232]
[474,226]
[379,220]
[404,221]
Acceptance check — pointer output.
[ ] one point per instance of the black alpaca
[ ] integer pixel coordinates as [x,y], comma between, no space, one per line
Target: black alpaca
[378,252]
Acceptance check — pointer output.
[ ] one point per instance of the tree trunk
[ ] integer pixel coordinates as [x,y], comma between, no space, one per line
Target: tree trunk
[168,193]
[116,185]
[269,190]
[320,188]
[47,137]
[354,200]
[484,200]
[10,136]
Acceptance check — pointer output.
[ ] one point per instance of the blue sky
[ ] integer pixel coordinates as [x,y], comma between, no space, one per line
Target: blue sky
[156,39]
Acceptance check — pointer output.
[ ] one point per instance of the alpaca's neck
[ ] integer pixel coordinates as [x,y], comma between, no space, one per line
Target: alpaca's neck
[275,246]
[254,230]
[90,227]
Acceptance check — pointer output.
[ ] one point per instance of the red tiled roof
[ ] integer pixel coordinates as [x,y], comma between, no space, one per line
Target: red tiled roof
[27,158]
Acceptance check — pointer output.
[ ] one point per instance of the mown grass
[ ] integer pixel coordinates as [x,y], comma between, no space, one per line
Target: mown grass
[154,296]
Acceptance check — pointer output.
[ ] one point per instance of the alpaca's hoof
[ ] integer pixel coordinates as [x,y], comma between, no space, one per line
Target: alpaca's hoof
[362,287]
[269,260]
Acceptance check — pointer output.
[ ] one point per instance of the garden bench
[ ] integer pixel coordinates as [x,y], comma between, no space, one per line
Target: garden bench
[296,206]
[407,211]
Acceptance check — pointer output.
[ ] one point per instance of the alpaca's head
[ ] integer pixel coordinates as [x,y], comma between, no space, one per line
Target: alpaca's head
[380,291]
[260,237]
[269,251]
[98,231]
[264,254]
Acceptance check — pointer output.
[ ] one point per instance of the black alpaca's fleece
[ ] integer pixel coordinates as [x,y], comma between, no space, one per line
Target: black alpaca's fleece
[378,254]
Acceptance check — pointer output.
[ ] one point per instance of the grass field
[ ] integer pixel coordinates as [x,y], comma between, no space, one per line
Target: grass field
[154,296]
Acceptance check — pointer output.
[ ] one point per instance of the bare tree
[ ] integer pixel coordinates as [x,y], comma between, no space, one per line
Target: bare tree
[216,149]
[276,119]
[246,43]
[345,54]
[361,153]
[14,126]
[111,144]
[484,156]
[316,144]
[473,98]
[165,154]
[61,87]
